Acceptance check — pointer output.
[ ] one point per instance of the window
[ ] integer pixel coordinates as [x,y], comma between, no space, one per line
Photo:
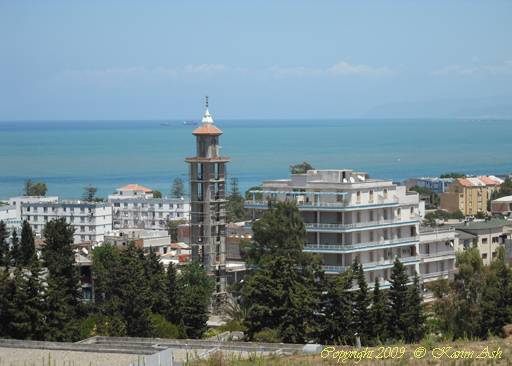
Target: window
[371,236]
[371,196]
[358,237]
[412,210]
[398,211]
[484,240]
[484,256]
[371,215]
[82,209]
[358,197]
[385,193]
[358,216]
[45,209]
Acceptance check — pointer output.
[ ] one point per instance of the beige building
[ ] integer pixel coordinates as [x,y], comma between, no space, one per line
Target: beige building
[469,195]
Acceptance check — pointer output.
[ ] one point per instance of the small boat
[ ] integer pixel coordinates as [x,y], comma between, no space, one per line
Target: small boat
[165,124]
[189,123]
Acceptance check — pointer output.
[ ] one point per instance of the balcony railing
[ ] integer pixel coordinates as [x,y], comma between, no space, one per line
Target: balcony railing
[435,274]
[322,226]
[350,247]
[443,253]
[370,266]
[334,205]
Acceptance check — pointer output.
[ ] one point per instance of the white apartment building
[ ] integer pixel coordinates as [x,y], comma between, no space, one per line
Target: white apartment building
[8,214]
[133,207]
[19,200]
[349,215]
[91,220]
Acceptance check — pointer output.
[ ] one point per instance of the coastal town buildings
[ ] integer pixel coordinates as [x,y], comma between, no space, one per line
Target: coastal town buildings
[91,220]
[437,251]
[8,214]
[207,176]
[349,216]
[469,195]
[19,200]
[435,184]
[134,207]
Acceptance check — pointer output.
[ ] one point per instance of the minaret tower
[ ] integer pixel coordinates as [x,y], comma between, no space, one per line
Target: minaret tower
[207,178]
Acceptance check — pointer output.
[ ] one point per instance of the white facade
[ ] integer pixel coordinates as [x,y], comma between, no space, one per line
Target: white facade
[349,216]
[437,252]
[90,220]
[147,213]
[8,214]
[18,201]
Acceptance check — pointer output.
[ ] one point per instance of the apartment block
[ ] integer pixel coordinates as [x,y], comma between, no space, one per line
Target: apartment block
[487,236]
[469,195]
[349,215]
[134,207]
[91,220]
[437,252]
[435,184]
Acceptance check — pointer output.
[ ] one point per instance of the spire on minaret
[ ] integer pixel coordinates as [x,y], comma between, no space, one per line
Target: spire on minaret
[207,118]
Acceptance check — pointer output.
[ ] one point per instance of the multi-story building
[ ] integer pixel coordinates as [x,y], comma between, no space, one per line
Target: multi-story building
[437,252]
[487,236]
[91,220]
[435,184]
[349,216]
[134,207]
[469,195]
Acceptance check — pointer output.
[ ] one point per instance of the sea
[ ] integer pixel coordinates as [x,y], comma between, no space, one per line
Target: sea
[70,155]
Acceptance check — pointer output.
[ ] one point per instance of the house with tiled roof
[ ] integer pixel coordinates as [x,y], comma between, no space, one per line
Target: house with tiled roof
[470,195]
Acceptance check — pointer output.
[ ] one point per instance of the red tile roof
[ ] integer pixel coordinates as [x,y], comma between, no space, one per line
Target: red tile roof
[135,187]
[207,129]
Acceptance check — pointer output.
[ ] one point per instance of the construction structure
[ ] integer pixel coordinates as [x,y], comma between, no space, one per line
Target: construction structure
[207,176]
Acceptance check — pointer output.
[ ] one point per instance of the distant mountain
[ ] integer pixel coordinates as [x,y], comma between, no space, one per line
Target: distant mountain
[496,107]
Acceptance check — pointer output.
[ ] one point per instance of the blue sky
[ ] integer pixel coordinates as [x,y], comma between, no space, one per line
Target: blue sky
[260,59]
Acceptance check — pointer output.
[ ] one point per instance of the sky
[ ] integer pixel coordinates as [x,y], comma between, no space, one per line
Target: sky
[115,60]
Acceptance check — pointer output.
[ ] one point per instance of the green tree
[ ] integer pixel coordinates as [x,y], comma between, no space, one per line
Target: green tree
[63,295]
[338,308]
[178,188]
[89,193]
[397,297]
[7,307]
[172,228]
[379,314]
[300,168]
[413,316]
[453,175]
[195,289]
[235,206]
[496,300]
[27,247]
[279,232]
[157,194]
[155,275]
[130,293]
[35,189]
[28,320]
[15,253]
[173,312]
[361,305]
[257,196]
[4,245]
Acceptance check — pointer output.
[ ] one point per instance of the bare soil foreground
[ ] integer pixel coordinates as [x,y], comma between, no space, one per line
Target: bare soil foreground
[496,351]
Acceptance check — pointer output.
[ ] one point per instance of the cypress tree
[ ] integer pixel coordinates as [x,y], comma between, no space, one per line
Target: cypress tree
[379,314]
[29,307]
[130,292]
[63,293]
[14,254]
[413,317]
[338,310]
[362,323]
[4,245]
[195,289]
[173,313]
[155,275]
[7,291]
[397,297]
[27,247]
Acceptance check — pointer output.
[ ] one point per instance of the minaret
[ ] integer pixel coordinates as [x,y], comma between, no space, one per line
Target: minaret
[207,178]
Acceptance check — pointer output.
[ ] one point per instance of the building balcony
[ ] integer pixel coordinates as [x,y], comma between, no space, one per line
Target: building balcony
[434,276]
[358,226]
[372,266]
[437,256]
[328,206]
[349,248]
